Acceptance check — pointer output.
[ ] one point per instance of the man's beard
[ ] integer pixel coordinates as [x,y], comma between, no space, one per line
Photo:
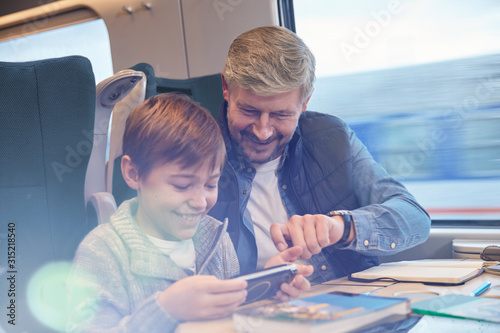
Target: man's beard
[276,152]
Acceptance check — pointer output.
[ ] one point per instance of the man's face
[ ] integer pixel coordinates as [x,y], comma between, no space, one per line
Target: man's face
[262,126]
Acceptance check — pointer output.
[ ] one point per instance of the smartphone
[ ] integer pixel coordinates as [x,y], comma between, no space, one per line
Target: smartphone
[265,284]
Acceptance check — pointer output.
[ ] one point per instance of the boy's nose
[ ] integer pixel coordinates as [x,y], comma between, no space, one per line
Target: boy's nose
[198,200]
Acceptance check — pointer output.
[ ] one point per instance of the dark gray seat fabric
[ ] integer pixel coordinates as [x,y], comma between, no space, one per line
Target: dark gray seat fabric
[46,122]
[206,90]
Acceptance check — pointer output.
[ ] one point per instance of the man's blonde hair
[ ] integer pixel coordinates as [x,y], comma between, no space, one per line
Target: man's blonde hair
[270,60]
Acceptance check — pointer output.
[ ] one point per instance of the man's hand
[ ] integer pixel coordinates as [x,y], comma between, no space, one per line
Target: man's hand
[202,297]
[311,232]
[299,283]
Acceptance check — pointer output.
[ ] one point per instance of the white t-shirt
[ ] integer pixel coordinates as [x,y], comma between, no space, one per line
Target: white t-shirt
[181,252]
[265,208]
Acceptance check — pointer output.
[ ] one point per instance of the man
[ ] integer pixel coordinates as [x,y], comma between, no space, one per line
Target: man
[298,177]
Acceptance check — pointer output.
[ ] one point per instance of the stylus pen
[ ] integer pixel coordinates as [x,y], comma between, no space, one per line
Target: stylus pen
[481,289]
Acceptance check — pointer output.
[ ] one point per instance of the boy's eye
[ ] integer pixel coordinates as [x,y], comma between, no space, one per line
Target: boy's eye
[211,186]
[180,187]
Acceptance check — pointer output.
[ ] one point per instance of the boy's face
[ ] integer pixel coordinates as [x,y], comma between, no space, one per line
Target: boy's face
[173,199]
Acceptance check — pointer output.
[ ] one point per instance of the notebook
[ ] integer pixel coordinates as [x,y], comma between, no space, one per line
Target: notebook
[460,306]
[429,271]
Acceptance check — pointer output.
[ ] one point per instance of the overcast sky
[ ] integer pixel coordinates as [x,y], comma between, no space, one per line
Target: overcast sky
[358,35]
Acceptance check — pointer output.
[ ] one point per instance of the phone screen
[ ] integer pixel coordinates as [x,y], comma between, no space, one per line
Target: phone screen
[265,284]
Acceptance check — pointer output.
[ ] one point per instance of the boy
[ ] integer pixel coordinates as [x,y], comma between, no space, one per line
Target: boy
[161,260]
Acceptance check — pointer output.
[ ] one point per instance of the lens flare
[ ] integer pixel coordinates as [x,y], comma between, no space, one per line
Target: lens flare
[47,295]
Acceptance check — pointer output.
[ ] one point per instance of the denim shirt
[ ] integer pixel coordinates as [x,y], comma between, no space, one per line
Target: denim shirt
[386,217]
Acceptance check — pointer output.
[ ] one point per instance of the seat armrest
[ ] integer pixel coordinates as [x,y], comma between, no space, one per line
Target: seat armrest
[101,206]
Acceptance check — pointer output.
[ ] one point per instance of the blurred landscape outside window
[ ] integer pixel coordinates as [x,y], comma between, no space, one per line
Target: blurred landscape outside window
[419,83]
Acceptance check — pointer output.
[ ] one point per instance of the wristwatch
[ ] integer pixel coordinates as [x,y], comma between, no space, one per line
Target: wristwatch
[346,215]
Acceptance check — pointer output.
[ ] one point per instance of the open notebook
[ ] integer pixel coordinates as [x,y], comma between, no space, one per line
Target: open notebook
[431,271]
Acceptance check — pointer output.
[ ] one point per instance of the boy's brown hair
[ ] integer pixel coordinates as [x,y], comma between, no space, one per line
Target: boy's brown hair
[172,128]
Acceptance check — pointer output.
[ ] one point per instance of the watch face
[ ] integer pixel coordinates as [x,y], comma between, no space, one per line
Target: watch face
[337,213]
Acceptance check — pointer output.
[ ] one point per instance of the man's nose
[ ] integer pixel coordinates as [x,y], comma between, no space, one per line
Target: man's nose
[262,128]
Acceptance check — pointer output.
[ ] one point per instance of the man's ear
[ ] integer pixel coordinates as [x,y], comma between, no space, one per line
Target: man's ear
[225,88]
[304,107]
[130,172]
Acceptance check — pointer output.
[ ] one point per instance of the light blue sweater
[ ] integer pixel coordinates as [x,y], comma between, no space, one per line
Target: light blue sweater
[118,274]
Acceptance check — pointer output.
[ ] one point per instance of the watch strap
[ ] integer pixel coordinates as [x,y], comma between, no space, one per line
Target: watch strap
[347,217]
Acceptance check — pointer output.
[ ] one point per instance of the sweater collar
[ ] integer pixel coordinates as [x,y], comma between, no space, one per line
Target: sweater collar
[146,259]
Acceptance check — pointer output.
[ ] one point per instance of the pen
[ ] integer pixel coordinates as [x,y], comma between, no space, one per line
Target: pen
[481,289]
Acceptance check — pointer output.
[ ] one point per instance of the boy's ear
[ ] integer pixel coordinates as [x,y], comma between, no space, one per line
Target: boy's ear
[130,172]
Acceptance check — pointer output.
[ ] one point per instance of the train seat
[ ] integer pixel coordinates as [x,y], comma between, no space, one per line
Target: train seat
[116,96]
[46,116]
[207,90]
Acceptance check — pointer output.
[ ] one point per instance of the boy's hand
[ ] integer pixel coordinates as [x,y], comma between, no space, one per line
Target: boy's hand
[299,283]
[202,297]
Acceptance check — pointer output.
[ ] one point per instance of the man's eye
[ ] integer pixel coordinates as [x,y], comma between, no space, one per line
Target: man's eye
[249,112]
[211,186]
[281,115]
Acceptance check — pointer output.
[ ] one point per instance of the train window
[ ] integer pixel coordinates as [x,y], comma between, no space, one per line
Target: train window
[89,39]
[419,82]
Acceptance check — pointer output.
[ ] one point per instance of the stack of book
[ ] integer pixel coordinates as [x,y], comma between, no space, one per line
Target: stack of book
[336,312]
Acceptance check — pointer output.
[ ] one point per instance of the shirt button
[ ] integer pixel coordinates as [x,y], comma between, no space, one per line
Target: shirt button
[284,187]
[393,245]
[366,242]
[323,268]
[249,170]
[244,191]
